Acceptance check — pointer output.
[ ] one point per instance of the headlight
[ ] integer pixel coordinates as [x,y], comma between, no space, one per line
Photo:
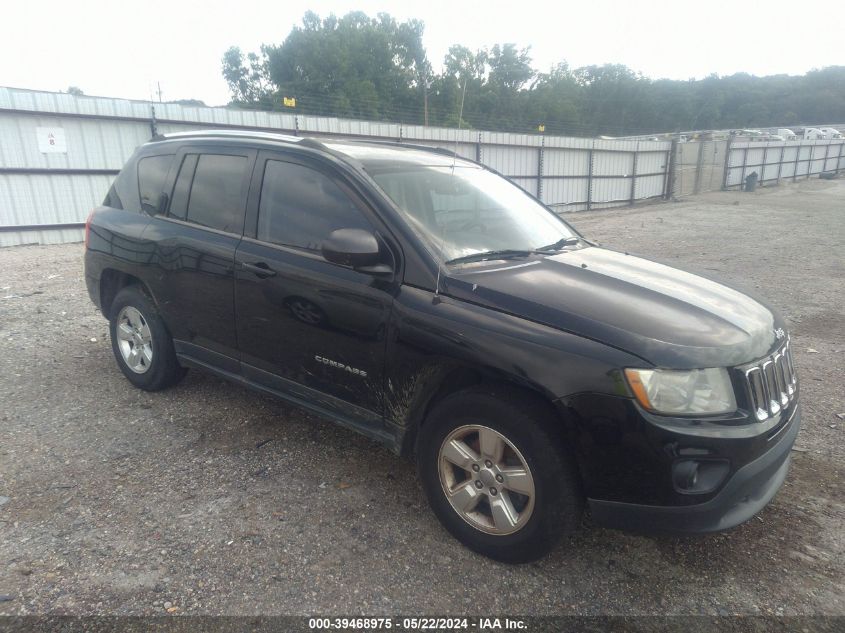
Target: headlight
[689,392]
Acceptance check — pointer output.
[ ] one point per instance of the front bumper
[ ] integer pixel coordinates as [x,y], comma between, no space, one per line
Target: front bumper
[747,492]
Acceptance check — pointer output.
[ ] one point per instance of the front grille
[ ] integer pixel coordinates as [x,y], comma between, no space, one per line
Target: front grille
[772,383]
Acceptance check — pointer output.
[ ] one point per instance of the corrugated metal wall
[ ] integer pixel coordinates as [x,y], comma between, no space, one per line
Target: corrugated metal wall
[776,161]
[44,197]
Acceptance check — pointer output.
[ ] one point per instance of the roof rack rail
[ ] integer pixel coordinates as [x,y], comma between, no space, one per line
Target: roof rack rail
[427,148]
[308,141]
[256,134]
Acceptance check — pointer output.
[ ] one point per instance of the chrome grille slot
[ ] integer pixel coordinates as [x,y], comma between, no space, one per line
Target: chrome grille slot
[783,376]
[782,395]
[771,383]
[791,364]
[754,377]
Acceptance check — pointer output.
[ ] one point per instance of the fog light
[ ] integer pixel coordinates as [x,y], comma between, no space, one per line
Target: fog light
[685,475]
[699,476]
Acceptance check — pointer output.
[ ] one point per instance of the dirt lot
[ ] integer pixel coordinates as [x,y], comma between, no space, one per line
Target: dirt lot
[211,499]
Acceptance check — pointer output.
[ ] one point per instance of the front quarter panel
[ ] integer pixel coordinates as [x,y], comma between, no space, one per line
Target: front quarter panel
[431,336]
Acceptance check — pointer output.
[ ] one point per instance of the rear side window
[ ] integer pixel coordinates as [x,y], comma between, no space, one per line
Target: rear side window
[209,191]
[152,173]
[300,206]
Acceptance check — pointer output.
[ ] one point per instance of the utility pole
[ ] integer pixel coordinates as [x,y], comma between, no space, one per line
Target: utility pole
[158,83]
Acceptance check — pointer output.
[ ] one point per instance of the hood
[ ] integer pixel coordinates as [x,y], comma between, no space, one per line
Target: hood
[666,316]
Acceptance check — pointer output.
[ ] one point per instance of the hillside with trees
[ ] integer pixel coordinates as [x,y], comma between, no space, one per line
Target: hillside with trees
[357,66]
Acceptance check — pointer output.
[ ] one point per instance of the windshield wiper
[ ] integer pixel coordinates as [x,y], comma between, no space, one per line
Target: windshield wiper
[566,241]
[485,255]
[511,253]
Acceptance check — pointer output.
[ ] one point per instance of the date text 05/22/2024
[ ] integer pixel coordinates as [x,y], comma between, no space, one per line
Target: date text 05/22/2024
[417,624]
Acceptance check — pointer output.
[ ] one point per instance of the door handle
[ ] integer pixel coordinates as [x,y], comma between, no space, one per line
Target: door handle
[259,269]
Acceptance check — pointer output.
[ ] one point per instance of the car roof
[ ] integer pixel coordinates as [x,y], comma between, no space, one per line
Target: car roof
[369,153]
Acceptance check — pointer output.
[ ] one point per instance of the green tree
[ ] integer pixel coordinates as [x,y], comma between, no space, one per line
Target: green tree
[353,66]
[464,74]
[190,102]
[246,76]
[554,101]
[510,68]
[377,68]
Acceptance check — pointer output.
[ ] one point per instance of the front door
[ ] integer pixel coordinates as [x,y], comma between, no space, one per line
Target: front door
[307,326]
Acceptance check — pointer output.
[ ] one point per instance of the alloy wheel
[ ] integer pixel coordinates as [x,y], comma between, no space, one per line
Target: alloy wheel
[134,339]
[486,479]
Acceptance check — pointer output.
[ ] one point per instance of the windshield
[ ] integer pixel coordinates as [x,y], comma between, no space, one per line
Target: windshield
[461,211]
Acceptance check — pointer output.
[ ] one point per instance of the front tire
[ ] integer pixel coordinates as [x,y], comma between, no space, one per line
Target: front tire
[496,475]
[141,343]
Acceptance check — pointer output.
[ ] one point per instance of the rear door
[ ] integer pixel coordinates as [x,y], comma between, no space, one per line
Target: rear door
[196,231]
[305,325]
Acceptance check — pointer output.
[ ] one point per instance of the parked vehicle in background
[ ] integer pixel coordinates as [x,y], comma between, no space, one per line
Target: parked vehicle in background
[752,135]
[813,134]
[787,134]
[830,133]
[430,304]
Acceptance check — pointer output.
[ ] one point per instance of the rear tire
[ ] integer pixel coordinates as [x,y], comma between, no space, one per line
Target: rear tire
[141,343]
[519,506]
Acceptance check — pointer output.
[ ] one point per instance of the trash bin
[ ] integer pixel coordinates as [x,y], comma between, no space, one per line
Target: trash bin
[751,181]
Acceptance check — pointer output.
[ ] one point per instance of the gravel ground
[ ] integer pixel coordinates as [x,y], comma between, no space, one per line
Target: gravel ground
[210,499]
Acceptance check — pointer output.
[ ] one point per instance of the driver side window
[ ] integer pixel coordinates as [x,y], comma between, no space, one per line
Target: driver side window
[301,206]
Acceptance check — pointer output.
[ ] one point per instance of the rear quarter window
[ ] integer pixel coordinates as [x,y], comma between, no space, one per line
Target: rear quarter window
[152,174]
[112,198]
[123,194]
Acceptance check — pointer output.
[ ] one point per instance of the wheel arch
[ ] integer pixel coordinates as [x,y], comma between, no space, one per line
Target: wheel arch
[447,379]
[113,281]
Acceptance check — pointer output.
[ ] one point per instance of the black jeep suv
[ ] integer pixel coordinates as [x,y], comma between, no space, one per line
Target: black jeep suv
[427,302]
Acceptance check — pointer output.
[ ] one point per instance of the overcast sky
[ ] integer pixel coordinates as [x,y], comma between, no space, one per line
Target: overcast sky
[121,48]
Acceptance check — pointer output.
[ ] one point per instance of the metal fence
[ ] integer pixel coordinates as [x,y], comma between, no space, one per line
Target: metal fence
[781,160]
[47,191]
[713,165]
[699,167]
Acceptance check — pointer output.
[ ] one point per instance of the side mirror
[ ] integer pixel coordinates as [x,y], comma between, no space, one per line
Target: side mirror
[356,248]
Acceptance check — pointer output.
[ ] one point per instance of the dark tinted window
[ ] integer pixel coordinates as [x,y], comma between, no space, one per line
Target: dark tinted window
[112,199]
[300,207]
[182,189]
[216,199]
[152,172]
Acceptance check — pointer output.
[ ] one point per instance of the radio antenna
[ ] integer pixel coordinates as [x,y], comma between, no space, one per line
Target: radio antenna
[454,161]
[460,118]
[437,283]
